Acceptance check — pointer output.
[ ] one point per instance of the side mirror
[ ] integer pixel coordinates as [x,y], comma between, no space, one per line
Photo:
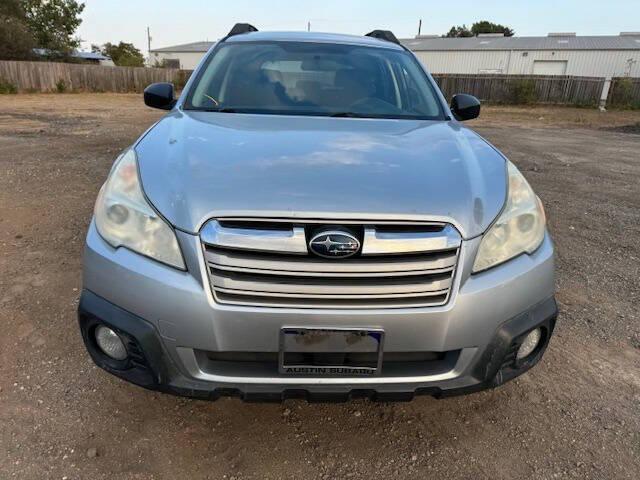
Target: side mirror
[465,107]
[159,95]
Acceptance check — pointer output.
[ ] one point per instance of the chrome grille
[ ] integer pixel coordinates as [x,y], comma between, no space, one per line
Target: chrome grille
[267,263]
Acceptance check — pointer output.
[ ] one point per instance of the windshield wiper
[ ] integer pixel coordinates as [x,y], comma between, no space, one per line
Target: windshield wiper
[221,110]
[348,115]
[287,112]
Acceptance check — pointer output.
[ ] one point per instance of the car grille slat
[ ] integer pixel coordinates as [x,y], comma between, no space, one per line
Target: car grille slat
[307,265]
[246,299]
[329,285]
[401,278]
[333,296]
[329,274]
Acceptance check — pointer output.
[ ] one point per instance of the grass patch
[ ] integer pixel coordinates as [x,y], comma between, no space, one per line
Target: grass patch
[7,87]
[523,91]
[61,86]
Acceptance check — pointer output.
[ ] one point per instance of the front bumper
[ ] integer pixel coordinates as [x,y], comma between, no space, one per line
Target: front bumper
[169,316]
[150,366]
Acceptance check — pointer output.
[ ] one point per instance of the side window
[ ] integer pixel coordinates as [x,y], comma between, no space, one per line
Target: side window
[413,100]
[417,97]
[387,84]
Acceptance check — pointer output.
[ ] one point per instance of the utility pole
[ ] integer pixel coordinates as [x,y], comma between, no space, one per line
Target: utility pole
[419,27]
[149,41]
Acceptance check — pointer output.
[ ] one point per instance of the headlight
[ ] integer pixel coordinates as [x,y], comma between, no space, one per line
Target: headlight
[519,229]
[124,218]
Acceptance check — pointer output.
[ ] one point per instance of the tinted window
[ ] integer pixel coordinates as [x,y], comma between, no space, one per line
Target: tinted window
[314,79]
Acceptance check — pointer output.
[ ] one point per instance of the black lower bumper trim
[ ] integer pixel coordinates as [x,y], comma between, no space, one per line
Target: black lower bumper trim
[152,368]
[147,363]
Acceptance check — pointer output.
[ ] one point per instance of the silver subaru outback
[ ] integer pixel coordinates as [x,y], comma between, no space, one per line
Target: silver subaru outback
[311,219]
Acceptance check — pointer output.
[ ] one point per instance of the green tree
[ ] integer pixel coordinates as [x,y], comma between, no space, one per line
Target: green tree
[123,54]
[479,27]
[485,26]
[12,8]
[16,40]
[458,31]
[53,23]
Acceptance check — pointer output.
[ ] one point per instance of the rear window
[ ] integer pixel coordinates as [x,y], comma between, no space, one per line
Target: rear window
[314,79]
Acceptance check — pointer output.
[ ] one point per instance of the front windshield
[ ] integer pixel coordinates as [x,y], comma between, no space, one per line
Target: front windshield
[301,78]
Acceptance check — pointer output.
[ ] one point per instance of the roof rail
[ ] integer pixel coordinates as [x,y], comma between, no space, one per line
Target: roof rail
[239,28]
[383,35]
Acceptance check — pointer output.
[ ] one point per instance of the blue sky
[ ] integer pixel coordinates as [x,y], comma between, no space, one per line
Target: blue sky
[184,21]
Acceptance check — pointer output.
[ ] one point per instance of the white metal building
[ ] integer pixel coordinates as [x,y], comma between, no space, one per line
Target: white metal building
[555,54]
[184,56]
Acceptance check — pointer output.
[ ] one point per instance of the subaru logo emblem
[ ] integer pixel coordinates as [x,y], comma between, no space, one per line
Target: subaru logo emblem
[334,244]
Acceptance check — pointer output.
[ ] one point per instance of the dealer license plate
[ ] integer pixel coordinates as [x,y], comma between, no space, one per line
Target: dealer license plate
[331,351]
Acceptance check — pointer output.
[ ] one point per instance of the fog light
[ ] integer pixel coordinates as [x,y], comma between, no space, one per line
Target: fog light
[110,343]
[529,344]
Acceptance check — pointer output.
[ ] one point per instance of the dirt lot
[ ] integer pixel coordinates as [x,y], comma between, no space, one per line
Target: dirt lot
[576,415]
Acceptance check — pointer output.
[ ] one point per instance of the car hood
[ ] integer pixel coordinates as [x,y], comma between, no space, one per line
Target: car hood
[199,165]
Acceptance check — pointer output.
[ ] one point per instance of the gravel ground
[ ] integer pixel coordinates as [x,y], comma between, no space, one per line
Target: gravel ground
[576,415]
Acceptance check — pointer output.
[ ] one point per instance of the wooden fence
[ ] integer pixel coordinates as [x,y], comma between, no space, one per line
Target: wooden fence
[624,92]
[524,89]
[507,89]
[61,77]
